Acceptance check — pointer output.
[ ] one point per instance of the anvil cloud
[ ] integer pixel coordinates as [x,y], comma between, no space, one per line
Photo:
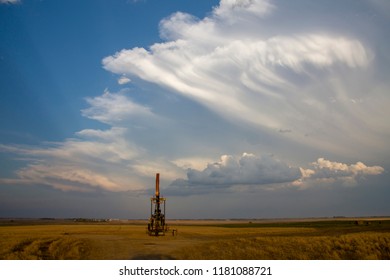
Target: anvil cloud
[309,83]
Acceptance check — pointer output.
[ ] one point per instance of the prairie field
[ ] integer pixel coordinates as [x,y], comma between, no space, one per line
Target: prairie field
[277,240]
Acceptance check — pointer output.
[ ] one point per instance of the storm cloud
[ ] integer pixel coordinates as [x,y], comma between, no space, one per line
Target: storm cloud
[251,170]
[247,65]
[247,169]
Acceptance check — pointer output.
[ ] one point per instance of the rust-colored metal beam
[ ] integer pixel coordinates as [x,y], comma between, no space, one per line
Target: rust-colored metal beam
[157,184]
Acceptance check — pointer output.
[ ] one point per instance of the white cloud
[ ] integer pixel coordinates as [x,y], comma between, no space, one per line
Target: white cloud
[124,80]
[10,1]
[247,169]
[66,178]
[115,109]
[233,10]
[97,160]
[325,168]
[235,173]
[236,78]
[192,162]
[331,172]
[113,159]
[298,81]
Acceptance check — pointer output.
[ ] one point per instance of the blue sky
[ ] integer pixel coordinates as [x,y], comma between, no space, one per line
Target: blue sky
[246,108]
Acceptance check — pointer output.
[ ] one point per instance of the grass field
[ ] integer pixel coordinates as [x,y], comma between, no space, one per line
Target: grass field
[282,240]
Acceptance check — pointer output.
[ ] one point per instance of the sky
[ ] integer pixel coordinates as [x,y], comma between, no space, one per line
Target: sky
[246,108]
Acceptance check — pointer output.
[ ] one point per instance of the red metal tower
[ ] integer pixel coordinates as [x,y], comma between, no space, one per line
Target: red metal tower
[157,225]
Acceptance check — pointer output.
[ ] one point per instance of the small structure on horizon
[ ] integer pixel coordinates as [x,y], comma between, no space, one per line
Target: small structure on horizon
[157,225]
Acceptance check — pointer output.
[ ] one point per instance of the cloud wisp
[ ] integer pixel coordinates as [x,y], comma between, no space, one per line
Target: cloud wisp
[113,109]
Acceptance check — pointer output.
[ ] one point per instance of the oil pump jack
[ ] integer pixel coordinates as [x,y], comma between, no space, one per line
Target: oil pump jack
[157,225]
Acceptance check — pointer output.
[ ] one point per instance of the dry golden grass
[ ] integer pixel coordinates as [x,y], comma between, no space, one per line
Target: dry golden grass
[315,240]
[363,246]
